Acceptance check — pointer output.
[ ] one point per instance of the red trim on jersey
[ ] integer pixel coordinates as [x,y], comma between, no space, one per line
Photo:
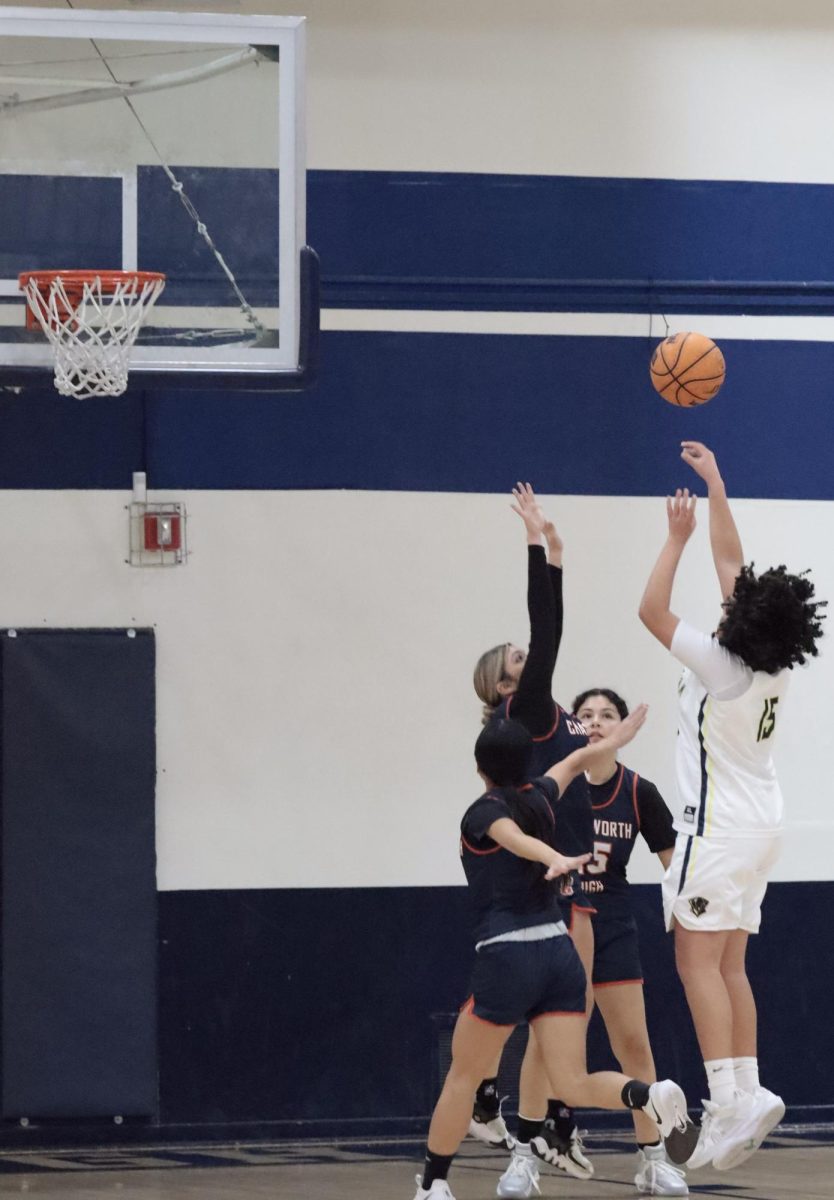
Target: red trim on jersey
[634,800]
[472,849]
[613,796]
[617,983]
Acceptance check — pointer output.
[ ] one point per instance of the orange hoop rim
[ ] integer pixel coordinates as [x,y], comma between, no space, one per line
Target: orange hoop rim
[75,280]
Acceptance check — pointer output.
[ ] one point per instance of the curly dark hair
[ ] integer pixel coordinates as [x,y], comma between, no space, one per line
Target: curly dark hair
[771,621]
[611,696]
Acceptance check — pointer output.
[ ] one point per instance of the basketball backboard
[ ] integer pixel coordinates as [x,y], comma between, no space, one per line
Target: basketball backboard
[168,142]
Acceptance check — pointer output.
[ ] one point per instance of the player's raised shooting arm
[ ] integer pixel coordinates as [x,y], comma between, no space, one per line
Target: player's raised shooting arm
[655,608]
[727,552]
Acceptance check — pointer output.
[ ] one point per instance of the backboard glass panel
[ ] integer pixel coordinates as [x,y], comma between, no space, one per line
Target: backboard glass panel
[166,142]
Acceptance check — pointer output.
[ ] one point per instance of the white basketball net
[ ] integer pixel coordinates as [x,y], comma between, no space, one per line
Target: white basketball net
[92,336]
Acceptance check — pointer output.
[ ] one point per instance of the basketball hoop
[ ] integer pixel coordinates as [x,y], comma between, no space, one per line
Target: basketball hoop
[92,319]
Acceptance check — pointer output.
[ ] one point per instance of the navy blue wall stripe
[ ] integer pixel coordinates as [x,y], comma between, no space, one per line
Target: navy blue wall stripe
[59,221]
[447,413]
[437,240]
[446,240]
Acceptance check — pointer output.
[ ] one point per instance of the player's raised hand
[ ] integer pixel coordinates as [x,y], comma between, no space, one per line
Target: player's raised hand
[623,733]
[701,460]
[529,509]
[680,512]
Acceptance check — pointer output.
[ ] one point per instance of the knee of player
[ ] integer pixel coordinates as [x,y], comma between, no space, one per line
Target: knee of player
[570,1085]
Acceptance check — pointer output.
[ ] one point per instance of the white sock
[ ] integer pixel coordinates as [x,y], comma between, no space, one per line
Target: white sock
[721,1078]
[747,1073]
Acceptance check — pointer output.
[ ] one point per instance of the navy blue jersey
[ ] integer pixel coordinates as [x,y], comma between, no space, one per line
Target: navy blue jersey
[508,892]
[574,820]
[622,807]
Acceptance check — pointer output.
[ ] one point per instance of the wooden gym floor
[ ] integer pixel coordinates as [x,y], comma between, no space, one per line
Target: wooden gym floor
[797,1164]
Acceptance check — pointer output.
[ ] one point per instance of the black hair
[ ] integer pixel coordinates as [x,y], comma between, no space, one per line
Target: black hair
[771,621]
[612,696]
[503,753]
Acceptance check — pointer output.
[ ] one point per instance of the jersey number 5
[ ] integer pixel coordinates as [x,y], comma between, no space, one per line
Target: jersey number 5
[768,719]
[599,863]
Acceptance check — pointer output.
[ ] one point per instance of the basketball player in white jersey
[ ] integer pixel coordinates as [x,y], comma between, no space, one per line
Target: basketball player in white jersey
[729,813]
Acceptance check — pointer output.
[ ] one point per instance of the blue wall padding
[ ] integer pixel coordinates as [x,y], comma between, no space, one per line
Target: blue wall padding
[78,874]
[447,413]
[315,1005]
[54,221]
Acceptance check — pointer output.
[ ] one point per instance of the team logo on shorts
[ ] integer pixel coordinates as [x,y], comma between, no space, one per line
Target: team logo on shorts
[689,813]
[698,905]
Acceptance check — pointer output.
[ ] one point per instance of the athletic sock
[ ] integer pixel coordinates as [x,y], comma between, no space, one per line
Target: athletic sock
[560,1117]
[437,1167]
[528,1128]
[746,1073]
[721,1078]
[648,1145]
[487,1095]
[635,1094]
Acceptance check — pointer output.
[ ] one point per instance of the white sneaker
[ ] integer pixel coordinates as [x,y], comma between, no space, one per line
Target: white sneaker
[667,1108]
[567,1156]
[757,1115]
[439,1190]
[656,1176]
[492,1131]
[521,1177]
[717,1122]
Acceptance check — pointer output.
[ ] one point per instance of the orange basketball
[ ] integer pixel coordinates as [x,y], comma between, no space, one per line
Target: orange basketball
[687,369]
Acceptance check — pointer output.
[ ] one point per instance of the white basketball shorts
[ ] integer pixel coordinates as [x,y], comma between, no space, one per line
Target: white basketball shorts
[717,883]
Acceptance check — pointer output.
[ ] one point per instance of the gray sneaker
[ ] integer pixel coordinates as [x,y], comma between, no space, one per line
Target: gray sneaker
[521,1177]
[656,1176]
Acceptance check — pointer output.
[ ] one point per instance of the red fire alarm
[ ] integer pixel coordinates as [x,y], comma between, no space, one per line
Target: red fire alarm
[163,531]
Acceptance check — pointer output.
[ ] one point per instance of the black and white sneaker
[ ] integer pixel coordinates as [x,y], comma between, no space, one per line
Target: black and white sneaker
[489,1127]
[564,1153]
[667,1108]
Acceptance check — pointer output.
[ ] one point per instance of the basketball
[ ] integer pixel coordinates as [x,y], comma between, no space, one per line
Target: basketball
[687,369]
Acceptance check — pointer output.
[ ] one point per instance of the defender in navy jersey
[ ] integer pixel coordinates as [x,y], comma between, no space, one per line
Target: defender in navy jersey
[729,801]
[624,805]
[527,967]
[517,684]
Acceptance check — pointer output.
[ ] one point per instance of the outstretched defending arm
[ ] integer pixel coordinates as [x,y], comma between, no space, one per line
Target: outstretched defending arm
[587,757]
[655,607]
[532,703]
[727,553]
[507,834]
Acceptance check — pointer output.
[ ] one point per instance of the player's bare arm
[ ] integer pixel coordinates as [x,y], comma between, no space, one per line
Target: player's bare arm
[656,606]
[727,553]
[506,833]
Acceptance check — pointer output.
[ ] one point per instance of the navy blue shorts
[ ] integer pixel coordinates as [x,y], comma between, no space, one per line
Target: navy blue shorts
[616,951]
[519,981]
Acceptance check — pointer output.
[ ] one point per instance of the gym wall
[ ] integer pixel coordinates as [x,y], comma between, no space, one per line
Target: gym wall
[353,552]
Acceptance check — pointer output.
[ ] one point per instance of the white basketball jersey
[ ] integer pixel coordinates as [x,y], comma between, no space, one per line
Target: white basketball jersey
[726,779]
